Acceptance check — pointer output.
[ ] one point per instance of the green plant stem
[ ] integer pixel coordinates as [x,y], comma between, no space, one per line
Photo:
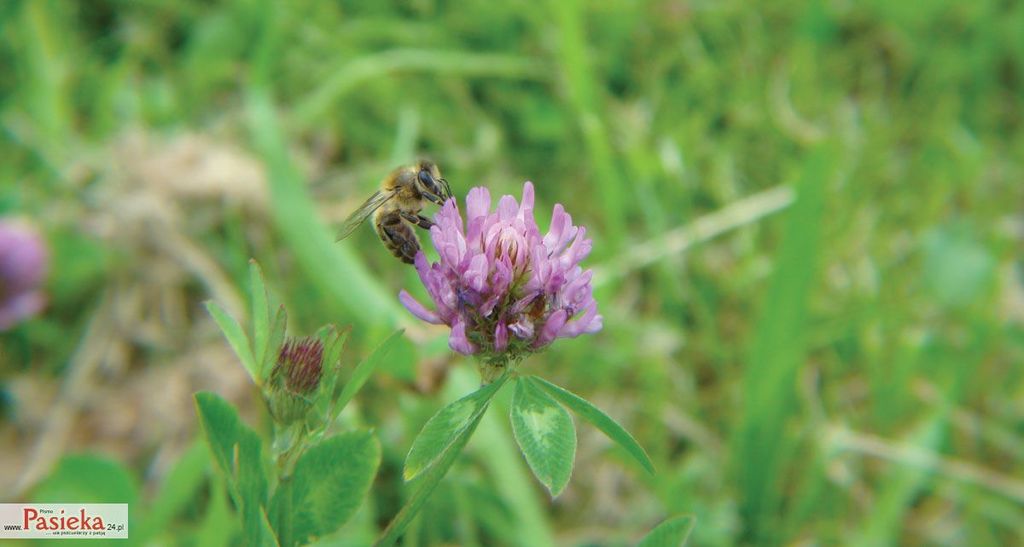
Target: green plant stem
[430,478]
[513,480]
[294,440]
[283,525]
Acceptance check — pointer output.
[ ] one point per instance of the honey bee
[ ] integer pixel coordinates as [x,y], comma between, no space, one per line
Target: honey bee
[396,207]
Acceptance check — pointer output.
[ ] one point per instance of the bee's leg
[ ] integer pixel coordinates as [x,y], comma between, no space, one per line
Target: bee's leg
[424,222]
[418,220]
[403,241]
[432,197]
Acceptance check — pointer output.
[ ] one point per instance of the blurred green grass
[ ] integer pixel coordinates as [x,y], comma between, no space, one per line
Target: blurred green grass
[894,312]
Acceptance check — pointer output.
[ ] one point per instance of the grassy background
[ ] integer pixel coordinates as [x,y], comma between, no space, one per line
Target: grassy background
[806,219]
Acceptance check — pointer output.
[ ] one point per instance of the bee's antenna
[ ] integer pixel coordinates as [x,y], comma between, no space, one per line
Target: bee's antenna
[447,189]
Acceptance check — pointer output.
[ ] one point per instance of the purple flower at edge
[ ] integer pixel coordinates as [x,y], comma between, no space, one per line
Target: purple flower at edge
[503,288]
[23,264]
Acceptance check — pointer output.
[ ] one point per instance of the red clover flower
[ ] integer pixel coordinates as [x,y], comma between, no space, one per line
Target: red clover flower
[503,288]
[23,265]
[295,377]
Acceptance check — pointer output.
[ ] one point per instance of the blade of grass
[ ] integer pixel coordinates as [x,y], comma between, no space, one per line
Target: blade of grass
[582,90]
[47,69]
[311,109]
[884,523]
[777,353]
[332,267]
[362,373]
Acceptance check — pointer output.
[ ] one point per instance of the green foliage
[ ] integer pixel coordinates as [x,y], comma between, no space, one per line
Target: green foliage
[328,484]
[778,350]
[445,428]
[660,125]
[435,450]
[177,492]
[545,433]
[363,371]
[957,267]
[88,479]
[425,485]
[331,265]
[674,532]
[260,319]
[325,398]
[218,525]
[598,419]
[237,449]
[319,481]
[275,337]
[237,338]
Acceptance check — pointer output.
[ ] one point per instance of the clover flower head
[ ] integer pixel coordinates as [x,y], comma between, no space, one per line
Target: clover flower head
[23,264]
[503,288]
[300,361]
[295,379]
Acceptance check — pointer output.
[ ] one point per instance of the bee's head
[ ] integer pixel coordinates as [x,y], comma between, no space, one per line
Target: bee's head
[431,183]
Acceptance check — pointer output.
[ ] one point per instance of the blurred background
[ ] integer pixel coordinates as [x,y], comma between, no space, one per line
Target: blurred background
[807,236]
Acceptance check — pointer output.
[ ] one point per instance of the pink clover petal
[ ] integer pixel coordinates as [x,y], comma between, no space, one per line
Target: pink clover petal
[417,309]
[579,325]
[551,328]
[478,201]
[500,337]
[522,329]
[458,341]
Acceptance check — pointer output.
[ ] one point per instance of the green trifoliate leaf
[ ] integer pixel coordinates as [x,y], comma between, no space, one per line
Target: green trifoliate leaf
[445,427]
[545,433]
[598,419]
[428,481]
[237,449]
[260,316]
[237,338]
[330,481]
[275,338]
[217,527]
[672,532]
[262,534]
[222,427]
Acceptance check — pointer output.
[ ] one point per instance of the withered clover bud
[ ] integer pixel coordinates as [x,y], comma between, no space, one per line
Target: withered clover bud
[295,378]
[505,289]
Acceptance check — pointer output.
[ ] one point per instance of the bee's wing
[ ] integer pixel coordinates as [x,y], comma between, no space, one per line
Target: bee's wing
[365,210]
